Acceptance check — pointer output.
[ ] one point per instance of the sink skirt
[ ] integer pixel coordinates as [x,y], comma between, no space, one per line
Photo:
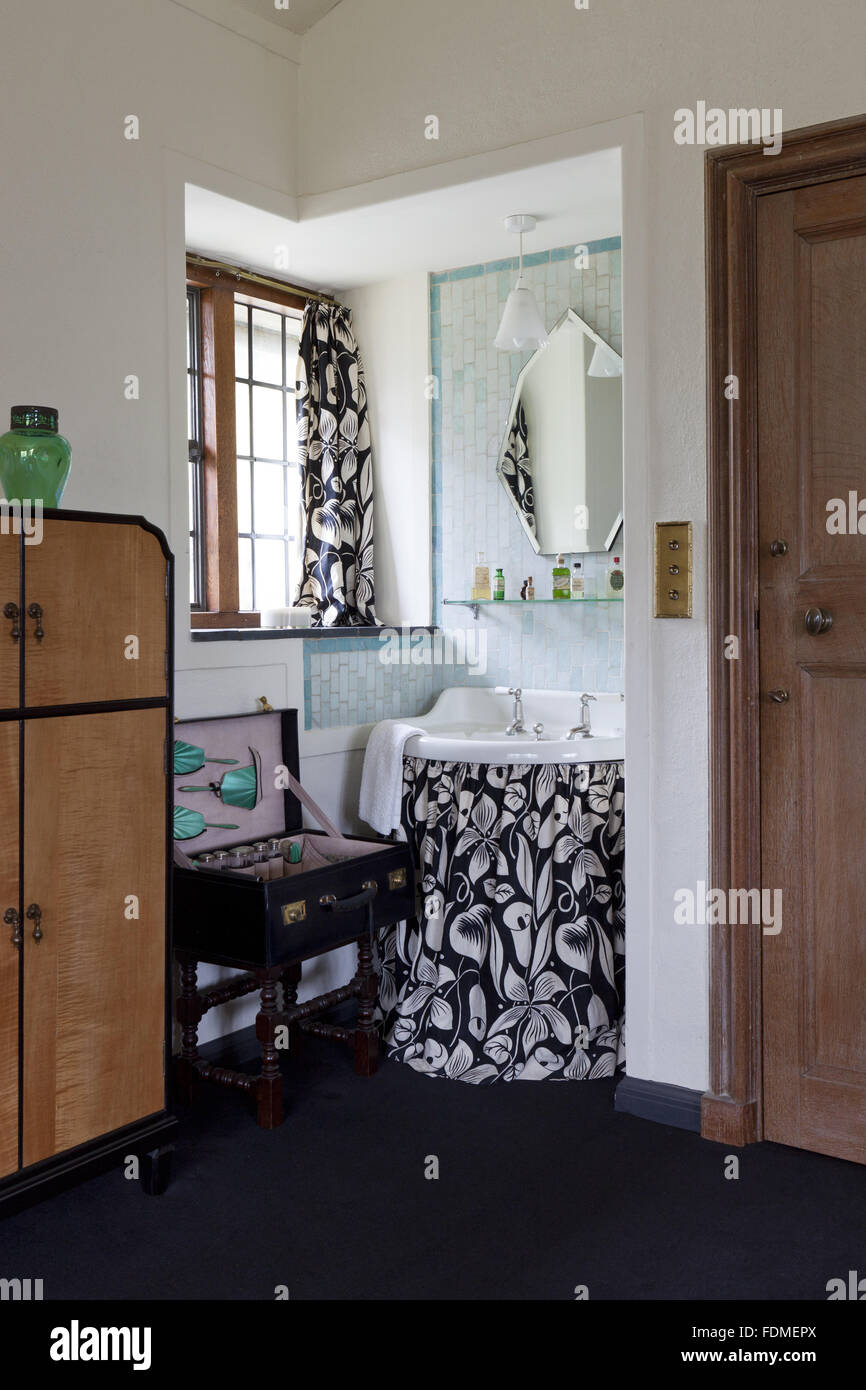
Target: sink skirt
[515,970]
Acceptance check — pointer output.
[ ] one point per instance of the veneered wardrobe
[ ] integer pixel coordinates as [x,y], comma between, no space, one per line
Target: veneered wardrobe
[85,724]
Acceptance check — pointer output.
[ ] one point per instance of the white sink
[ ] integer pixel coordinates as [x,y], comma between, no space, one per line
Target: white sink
[467,724]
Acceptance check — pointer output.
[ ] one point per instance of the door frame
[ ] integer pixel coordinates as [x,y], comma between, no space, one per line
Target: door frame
[736,177]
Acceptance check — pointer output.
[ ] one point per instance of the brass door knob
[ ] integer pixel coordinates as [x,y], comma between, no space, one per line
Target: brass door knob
[780,697]
[778,547]
[34,915]
[817,620]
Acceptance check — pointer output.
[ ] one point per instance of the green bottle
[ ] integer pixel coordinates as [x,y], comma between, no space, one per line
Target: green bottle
[561,579]
[34,459]
[499,585]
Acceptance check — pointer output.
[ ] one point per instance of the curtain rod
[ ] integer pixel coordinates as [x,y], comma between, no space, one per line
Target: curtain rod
[250,275]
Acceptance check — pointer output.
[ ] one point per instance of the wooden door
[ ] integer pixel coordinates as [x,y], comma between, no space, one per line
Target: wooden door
[101,589]
[94,985]
[9,952]
[10,627]
[812,466]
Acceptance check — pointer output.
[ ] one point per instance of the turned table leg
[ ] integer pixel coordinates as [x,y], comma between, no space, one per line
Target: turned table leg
[269,1084]
[366,1036]
[189,1012]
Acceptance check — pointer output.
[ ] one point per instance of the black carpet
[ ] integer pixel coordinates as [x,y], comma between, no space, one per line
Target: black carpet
[541,1187]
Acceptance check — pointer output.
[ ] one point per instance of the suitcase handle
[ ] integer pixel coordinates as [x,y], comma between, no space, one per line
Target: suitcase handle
[366,895]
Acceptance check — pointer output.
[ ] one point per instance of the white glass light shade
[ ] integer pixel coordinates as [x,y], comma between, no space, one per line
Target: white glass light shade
[604,363]
[522,325]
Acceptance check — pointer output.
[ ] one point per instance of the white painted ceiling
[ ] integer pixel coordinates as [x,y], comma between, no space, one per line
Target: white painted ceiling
[300,16]
[575,200]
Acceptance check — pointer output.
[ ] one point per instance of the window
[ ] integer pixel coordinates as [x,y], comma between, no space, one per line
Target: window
[246,529]
[196,449]
[269,499]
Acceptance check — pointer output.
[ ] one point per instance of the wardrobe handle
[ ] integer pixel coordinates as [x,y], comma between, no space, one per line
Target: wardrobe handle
[34,914]
[11,918]
[12,612]
[34,611]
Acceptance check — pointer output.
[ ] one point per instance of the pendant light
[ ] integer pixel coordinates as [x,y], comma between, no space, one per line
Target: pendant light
[604,362]
[522,325]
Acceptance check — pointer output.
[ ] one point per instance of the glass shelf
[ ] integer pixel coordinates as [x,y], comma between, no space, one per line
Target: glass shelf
[524,601]
[476,603]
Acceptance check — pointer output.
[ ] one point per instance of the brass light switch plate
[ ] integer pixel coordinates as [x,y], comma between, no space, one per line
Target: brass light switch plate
[673,570]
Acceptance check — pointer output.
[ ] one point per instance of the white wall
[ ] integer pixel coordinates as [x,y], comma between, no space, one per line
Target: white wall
[496,74]
[391,326]
[92,260]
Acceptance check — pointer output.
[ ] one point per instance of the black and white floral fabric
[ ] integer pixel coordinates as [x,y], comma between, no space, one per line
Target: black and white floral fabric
[336,471]
[516,468]
[516,969]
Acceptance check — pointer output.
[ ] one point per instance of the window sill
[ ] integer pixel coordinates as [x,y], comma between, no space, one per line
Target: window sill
[308,634]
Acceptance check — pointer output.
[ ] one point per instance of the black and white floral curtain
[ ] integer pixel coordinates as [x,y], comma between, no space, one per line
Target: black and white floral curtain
[516,969]
[516,468]
[336,471]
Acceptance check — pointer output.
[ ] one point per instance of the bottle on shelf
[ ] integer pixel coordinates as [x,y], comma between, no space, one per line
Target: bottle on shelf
[615,580]
[530,589]
[480,578]
[578,588]
[561,579]
[523,588]
[499,585]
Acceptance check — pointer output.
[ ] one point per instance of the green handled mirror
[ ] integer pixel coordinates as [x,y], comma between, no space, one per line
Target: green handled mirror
[188,758]
[188,824]
[242,786]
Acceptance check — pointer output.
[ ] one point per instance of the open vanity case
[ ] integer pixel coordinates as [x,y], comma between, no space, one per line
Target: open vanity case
[236,785]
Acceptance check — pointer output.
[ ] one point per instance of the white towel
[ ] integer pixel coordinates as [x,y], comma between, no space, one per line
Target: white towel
[382,777]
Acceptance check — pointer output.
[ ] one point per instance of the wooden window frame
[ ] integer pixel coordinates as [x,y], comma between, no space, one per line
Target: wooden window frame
[736,177]
[218,291]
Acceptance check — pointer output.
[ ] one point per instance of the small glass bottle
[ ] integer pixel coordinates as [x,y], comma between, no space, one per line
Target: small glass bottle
[221,859]
[244,855]
[205,861]
[530,590]
[275,849]
[260,852]
[499,585]
[34,459]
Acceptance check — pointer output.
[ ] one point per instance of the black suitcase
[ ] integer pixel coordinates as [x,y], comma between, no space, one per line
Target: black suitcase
[236,788]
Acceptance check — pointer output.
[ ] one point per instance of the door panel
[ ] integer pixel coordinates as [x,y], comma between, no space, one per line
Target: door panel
[812,449]
[94,1000]
[10,648]
[95,583]
[9,953]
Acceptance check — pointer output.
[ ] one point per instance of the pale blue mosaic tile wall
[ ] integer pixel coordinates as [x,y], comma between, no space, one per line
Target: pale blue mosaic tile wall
[355,680]
[573,647]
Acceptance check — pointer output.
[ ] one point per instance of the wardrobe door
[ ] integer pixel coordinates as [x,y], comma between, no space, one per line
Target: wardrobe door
[9,951]
[95,874]
[101,591]
[10,623]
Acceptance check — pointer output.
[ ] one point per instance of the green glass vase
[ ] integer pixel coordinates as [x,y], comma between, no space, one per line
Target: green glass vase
[34,459]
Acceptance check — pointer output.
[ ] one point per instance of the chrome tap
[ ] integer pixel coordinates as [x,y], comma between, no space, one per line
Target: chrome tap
[516,725]
[583,728]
